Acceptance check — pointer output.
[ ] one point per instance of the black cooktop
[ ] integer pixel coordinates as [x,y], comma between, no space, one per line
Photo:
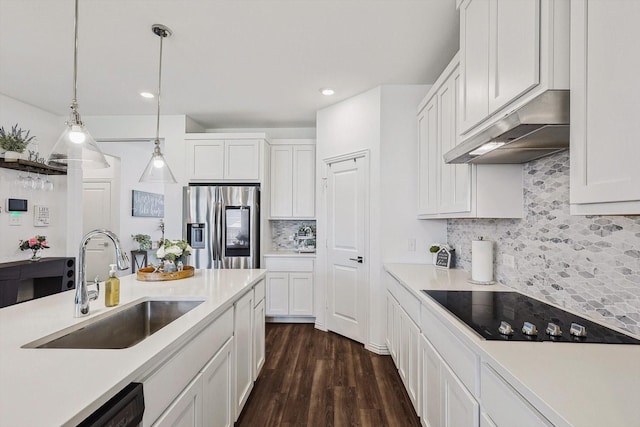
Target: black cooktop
[484,312]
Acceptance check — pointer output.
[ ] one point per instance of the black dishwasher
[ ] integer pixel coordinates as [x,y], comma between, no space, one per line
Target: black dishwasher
[125,409]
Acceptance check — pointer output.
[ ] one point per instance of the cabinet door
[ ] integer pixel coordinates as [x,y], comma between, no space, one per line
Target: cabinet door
[243,339]
[205,159]
[413,381]
[428,159]
[474,59]
[217,388]
[277,294]
[301,294]
[391,307]
[455,179]
[186,410]
[242,160]
[258,339]
[459,406]
[430,408]
[304,181]
[514,54]
[281,181]
[604,106]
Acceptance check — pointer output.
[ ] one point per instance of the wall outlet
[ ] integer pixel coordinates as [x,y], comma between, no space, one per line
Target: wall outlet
[411,244]
[509,260]
[14,219]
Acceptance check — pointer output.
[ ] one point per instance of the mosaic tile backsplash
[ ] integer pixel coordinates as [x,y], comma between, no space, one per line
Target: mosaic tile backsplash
[282,229]
[589,264]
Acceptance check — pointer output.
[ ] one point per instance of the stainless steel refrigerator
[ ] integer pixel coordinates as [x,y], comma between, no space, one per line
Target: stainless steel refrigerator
[222,225]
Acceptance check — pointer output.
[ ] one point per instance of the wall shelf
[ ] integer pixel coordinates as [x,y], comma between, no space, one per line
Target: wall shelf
[35,167]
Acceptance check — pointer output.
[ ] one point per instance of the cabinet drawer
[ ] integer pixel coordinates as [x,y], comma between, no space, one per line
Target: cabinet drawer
[288,264]
[504,405]
[406,299]
[162,387]
[258,293]
[463,361]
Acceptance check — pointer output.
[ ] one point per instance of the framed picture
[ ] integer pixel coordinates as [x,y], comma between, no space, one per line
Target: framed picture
[147,204]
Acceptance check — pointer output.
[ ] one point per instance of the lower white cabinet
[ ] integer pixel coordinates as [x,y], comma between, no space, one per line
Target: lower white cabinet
[186,410]
[503,405]
[258,338]
[243,338]
[289,286]
[446,402]
[217,388]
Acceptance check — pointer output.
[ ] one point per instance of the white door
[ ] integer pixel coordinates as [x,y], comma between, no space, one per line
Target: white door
[347,275]
[96,202]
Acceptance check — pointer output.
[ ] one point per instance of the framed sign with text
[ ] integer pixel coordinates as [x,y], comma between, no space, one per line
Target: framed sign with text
[445,258]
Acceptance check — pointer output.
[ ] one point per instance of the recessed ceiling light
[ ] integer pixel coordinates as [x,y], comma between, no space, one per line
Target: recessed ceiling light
[327,91]
[147,95]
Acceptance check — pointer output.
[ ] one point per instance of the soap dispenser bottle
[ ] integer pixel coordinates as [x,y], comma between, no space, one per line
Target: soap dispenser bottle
[112,288]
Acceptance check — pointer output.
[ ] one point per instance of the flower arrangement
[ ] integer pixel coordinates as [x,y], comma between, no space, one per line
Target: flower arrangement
[172,250]
[143,240]
[35,243]
[15,140]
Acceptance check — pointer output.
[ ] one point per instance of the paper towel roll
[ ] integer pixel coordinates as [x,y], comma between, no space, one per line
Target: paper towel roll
[482,260]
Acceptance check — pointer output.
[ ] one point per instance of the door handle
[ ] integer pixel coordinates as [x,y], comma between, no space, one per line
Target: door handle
[359,260]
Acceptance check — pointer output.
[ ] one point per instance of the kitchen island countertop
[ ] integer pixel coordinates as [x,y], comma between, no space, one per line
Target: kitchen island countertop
[572,384]
[47,387]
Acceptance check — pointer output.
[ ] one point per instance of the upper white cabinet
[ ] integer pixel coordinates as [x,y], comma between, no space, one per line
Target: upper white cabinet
[459,190]
[510,52]
[292,180]
[604,107]
[213,158]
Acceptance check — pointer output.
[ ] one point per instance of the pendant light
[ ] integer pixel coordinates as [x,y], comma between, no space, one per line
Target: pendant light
[76,145]
[157,170]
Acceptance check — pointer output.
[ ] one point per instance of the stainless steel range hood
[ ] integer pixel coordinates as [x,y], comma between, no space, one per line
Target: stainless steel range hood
[537,129]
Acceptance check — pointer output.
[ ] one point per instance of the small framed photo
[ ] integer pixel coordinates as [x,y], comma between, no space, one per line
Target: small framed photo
[445,258]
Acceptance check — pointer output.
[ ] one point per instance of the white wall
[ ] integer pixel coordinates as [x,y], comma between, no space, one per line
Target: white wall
[46,127]
[273,133]
[382,121]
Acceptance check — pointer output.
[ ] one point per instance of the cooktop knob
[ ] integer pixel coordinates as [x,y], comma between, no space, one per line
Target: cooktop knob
[505,328]
[529,329]
[553,330]
[578,330]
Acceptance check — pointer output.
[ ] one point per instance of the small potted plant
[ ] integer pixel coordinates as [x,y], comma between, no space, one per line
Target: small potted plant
[36,244]
[143,240]
[14,142]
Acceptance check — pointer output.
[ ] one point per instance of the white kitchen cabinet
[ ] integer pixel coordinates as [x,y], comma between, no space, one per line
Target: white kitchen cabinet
[259,314]
[459,407]
[232,160]
[391,339]
[510,52]
[503,405]
[217,388]
[292,181]
[459,190]
[604,108]
[186,410]
[243,339]
[289,286]
[430,407]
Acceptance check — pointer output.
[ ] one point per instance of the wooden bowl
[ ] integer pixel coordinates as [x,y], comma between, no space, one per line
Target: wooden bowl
[147,274]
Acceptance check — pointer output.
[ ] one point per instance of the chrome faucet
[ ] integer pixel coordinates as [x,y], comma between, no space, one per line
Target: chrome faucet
[83,296]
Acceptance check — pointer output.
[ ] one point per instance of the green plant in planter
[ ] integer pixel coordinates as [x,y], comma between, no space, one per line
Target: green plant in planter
[15,140]
[434,248]
[144,240]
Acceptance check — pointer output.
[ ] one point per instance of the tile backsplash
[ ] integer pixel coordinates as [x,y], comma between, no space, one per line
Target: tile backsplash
[282,229]
[589,264]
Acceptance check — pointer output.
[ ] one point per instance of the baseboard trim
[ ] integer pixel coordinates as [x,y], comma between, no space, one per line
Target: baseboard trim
[378,349]
[289,319]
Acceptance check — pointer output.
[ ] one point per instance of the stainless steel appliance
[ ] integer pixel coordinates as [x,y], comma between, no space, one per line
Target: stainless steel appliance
[511,316]
[222,225]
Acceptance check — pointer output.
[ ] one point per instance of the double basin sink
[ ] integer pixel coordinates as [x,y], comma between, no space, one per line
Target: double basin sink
[119,329]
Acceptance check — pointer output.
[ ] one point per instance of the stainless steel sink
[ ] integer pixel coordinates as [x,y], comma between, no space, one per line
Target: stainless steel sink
[121,329]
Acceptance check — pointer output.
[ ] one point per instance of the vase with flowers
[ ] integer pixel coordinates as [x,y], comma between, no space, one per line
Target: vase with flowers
[172,252]
[35,244]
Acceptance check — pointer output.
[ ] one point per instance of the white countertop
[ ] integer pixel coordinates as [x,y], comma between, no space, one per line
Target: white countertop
[289,253]
[581,385]
[53,387]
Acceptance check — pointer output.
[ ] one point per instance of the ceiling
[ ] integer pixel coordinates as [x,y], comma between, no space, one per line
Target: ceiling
[229,63]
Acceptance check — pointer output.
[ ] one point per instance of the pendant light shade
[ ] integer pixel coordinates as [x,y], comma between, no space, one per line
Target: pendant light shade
[157,170]
[76,145]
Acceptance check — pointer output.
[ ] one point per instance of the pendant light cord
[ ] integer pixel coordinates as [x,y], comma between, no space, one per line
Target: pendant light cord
[74,101]
[162,36]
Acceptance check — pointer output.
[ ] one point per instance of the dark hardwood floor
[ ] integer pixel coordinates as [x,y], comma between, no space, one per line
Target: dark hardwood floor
[314,378]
